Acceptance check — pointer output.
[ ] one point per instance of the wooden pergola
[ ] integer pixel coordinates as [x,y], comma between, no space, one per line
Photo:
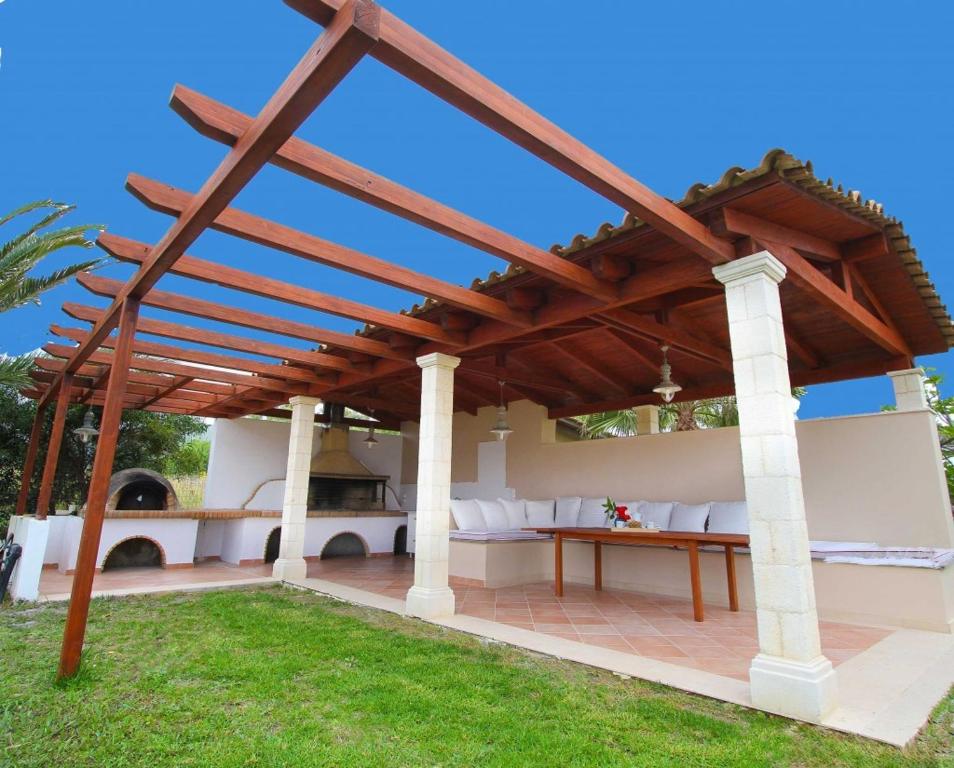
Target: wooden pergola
[575,328]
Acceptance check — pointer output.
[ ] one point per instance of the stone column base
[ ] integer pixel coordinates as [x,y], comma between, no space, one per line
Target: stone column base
[32,535]
[802,690]
[288,569]
[430,603]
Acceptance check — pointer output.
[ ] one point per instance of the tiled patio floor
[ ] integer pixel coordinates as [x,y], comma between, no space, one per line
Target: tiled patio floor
[54,584]
[647,625]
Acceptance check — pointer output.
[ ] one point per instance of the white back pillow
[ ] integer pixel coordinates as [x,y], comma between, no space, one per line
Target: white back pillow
[689,517]
[540,513]
[657,512]
[592,514]
[494,515]
[728,517]
[516,513]
[467,515]
[568,511]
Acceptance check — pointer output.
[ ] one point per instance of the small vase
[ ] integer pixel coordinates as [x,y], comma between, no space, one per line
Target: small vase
[619,524]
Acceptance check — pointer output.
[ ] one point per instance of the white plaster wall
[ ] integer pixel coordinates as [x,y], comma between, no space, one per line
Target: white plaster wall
[247,453]
[54,545]
[209,537]
[177,537]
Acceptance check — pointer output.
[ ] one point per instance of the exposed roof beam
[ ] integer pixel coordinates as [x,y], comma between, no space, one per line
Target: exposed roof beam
[155,380]
[729,221]
[594,367]
[209,310]
[232,221]
[180,354]
[128,250]
[350,34]
[813,282]
[676,337]
[217,339]
[220,122]
[177,369]
[412,55]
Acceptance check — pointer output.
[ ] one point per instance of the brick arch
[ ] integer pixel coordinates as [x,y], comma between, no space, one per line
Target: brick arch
[162,552]
[358,536]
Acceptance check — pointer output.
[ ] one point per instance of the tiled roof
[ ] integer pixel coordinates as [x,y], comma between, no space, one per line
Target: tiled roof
[793,170]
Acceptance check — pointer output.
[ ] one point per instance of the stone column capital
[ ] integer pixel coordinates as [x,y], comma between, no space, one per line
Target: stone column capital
[907,372]
[304,400]
[438,359]
[761,263]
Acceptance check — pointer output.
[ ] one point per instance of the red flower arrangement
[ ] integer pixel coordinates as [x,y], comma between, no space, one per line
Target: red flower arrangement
[616,512]
[622,515]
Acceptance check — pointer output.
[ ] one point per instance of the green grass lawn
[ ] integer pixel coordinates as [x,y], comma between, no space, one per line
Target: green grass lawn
[273,677]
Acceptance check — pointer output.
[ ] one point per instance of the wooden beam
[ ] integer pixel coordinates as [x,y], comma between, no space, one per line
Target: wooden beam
[78,609]
[864,248]
[412,55]
[700,392]
[209,310]
[219,122]
[232,221]
[627,340]
[55,442]
[222,340]
[676,337]
[594,367]
[177,369]
[134,252]
[729,221]
[29,461]
[89,379]
[179,354]
[178,383]
[823,290]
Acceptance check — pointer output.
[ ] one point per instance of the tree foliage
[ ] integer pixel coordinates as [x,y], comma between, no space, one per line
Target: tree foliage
[18,257]
[146,440]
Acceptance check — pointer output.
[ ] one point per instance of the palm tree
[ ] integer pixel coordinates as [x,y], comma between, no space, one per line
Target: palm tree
[20,255]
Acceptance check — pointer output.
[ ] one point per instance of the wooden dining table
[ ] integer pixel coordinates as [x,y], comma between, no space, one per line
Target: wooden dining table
[689,540]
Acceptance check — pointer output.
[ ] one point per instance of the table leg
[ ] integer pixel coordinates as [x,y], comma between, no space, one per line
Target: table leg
[730,577]
[558,564]
[696,580]
[597,565]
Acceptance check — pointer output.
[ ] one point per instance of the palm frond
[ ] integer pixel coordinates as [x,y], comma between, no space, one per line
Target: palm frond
[35,228]
[14,371]
[23,254]
[19,292]
[29,207]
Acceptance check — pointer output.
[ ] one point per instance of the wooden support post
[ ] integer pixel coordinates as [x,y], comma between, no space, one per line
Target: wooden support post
[53,446]
[78,611]
[597,566]
[29,462]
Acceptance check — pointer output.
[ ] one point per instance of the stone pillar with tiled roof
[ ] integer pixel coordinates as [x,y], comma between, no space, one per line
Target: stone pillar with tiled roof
[789,675]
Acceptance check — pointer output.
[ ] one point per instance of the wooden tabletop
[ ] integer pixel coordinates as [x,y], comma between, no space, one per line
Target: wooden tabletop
[643,535]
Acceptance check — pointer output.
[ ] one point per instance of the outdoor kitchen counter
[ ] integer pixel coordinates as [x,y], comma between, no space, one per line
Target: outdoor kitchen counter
[236,514]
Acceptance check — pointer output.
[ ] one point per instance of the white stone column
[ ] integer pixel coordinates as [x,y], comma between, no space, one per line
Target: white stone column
[790,675]
[647,419]
[291,560]
[909,392]
[431,597]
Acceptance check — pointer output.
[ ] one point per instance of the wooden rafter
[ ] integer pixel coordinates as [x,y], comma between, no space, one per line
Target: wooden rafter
[347,38]
[232,221]
[729,221]
[411,54]
[187,305]
[217,339]
[128,250]
[224,124]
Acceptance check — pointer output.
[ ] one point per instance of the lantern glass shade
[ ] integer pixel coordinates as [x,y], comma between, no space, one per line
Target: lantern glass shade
[502,429]
[666,388]
[87,431]
[370,441]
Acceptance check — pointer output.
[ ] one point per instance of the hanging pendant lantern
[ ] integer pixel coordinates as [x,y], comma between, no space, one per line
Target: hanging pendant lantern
[86,432]
[666,388]
[371,441]
[501,429]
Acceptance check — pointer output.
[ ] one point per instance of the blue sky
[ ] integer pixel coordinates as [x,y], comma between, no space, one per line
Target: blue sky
[674,93]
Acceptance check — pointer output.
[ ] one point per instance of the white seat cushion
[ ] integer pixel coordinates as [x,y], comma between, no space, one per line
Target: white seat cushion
[467,515]
[728,517]
[568,511]
[539,513]
[516,513]
[494,515]
[593,514]
[689,517]
[657,512]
